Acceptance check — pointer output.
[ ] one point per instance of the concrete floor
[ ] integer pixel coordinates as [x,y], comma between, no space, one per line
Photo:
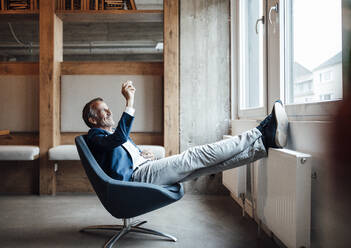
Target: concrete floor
[197,221]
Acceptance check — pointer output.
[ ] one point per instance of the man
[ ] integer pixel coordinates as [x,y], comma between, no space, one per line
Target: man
[121,159]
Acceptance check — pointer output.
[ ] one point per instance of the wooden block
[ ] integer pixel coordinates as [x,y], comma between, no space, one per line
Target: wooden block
[71,177]
[107,68]
[4,132]
[19,68]
[20,139]
[20,177]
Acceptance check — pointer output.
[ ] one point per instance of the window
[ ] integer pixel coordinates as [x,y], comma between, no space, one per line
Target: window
[326,76]
[325,97]
[313,44]
[251,53]
[294,55]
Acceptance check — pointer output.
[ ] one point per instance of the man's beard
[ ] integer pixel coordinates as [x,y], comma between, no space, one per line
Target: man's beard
[107,122]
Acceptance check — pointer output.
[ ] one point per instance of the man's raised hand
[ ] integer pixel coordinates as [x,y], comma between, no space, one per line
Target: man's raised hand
[128,91]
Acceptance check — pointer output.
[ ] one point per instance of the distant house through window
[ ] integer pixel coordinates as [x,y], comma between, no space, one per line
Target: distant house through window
[313,61]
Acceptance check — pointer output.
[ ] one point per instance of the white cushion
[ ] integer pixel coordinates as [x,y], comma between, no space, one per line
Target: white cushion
[64,152]
[18,152]
[69,152]
[158,151]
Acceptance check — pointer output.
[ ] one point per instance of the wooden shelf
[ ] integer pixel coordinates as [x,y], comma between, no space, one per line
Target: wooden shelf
[110,15]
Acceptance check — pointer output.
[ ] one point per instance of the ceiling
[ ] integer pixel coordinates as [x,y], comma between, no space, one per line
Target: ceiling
[132,41]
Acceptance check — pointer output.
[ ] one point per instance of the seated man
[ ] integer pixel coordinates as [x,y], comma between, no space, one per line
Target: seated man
[121,159]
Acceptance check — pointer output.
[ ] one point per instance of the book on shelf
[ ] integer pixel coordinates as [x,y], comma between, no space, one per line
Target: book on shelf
[18,4]
[114,4]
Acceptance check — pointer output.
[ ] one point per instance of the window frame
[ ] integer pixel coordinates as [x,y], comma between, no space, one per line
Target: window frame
[237,70]
[315,111]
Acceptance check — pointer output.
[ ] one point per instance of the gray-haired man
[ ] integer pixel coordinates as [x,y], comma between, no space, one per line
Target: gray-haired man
[121,159]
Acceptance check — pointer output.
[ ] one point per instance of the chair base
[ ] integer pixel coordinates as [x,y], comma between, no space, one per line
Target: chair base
[128,226]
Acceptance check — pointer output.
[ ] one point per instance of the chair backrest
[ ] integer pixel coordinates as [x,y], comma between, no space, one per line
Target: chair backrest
[97,177]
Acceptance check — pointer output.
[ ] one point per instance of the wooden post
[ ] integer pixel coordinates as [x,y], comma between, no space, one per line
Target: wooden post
[171,76]
[49,89]
[132,3]
[2,5]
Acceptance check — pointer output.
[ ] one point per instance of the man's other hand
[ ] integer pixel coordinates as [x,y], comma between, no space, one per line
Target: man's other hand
[128,91]
[147,155]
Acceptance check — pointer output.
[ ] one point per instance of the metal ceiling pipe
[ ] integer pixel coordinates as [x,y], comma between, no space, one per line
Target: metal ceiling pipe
[82,51]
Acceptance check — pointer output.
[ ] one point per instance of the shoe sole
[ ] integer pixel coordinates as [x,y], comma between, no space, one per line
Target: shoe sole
[282,125]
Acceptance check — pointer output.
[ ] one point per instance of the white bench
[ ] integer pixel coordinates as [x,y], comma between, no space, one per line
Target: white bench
[70,153]
[18,153]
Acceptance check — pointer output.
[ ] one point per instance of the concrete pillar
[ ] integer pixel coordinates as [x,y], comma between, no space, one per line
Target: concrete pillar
[204,79]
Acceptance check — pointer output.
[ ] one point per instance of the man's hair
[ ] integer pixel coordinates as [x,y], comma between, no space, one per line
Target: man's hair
[89,112]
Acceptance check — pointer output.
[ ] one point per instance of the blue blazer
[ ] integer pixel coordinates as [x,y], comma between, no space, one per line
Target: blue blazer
[108,151]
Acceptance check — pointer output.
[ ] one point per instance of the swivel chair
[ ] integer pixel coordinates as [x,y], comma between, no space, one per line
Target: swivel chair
[125,200]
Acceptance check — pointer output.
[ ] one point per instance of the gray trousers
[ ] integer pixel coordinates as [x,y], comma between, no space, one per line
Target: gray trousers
[203,160]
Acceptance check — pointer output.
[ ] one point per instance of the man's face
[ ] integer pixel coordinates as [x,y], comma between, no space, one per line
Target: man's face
[104,115]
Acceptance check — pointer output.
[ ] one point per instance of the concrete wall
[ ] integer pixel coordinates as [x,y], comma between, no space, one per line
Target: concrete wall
[204,80]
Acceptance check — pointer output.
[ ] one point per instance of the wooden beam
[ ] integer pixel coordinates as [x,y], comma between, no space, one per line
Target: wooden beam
[101,68]
[132,3]
[138,138]
[4,132]
[171,76]
[20,139]
[98,16]
[49,88]
[19,68]
[2,5]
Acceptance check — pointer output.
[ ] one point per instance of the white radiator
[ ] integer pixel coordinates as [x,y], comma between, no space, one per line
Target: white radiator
[284,196]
